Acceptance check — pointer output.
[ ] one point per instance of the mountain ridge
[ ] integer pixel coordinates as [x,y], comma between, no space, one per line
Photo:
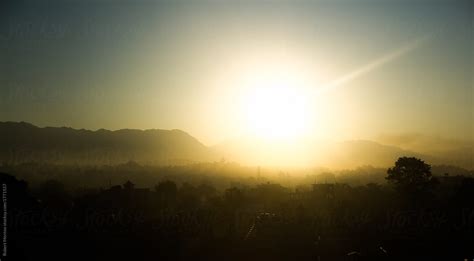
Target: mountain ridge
[24,142]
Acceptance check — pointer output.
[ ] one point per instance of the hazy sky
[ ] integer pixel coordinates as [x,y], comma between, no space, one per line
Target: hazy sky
[402,66]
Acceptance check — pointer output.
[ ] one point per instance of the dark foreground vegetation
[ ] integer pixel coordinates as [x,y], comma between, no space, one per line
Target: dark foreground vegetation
[238,216]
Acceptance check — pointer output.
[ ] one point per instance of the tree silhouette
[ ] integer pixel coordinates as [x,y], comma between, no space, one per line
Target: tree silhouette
[166,191]
[411,175]
[233,197]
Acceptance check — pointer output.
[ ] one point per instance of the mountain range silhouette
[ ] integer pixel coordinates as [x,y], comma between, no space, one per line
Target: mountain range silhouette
[22,142]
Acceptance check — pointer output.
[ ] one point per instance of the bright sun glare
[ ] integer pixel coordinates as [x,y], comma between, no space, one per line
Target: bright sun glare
[277,107]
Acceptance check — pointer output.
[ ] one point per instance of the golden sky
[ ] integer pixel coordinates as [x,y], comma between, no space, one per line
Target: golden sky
[220,70]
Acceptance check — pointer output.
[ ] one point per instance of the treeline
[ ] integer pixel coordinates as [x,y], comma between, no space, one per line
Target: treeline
[220,175]
[415,214]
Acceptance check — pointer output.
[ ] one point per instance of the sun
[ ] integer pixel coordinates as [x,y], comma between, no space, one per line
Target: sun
[276,108]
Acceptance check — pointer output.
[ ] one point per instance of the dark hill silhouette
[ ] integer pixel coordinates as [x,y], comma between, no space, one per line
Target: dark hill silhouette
[24,142]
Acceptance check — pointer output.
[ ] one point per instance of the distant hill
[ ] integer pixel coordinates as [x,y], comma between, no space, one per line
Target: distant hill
[354,153]
[336,155]
[452,151]
[24,142]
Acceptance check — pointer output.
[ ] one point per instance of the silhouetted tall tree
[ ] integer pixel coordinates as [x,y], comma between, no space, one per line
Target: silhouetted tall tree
[233,197]
[411,175]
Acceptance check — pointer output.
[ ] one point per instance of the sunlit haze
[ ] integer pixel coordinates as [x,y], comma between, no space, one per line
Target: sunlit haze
[278,72]
[237,130]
